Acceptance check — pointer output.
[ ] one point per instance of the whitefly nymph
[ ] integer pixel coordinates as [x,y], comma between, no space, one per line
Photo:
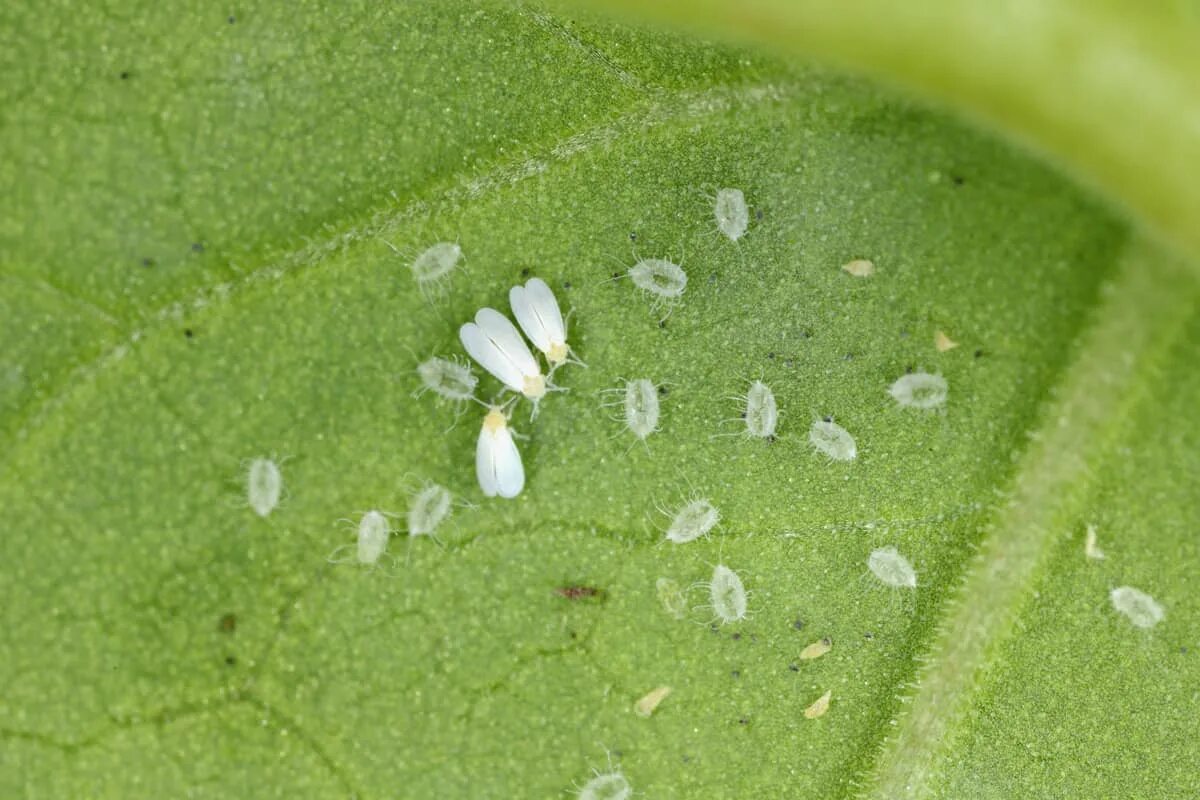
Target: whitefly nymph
[429,508]
[727,595]
[639,406]
[891,568]
[264,486]
[693,520]
[610,785]
[762,413]
[435,262]
[833,440]
[373,532]
[733,216]
[919,390]
[665,281]
[447,379]
[1138,607]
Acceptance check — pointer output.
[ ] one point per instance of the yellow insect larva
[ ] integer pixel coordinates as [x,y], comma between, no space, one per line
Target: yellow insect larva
[645,706]
[1090,548]
[817,649]
[819,706]
[859,268]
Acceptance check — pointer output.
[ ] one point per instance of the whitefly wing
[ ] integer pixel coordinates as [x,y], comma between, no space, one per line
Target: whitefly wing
[507,339]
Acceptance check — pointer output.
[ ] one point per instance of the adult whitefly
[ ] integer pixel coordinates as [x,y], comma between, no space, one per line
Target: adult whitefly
[891,568]
[498,464]
[264,486]
[1138,607]
[919,390]
[496,345]
[536,310]
[833,440]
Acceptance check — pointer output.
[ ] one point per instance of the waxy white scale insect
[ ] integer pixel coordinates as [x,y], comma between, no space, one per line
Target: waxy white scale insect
[664,280]
[891,568]
[448,379]
[727,594]
[731,212]
[693,520]
[607,786]
[641,407]
[538,314]
[264,485]
[430,506]
[833,440]
[493,341]
[919,390]
[497,460]
[1141,609]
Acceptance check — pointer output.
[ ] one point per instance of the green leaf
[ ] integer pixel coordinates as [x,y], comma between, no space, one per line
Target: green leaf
[205,260]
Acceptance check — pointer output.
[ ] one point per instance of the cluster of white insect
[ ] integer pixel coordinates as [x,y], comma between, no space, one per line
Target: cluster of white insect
[495,344]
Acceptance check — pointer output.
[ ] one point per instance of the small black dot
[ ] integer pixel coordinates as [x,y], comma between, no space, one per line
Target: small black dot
[798,624]
[632,236]
[735,674]
[525,272]
[664,390]
[827,418]
[616,275]
[868,636]
[736,637]
[230,660]
[743,721]
[959,180]
[232,19]
[848,357]
[662,323]
[574,635]
[772,439]
[124,76]
[794,667]
[771,355]
[197,247]
[979,354]
[188,332]
[566,284]
[758,214]
[147,262]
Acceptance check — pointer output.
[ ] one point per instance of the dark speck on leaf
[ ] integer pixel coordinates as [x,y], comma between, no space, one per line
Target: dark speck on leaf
[744,721]
[230,660]
[228,623]
[827,418]
[771,355]
[147,262]
[736,637]
[232,19]
[714,628]
[616,275]
[566,284]
[632,236]
[758,214]
[735,674]
[662,323]
[794,667]
[525,272]
[124,76]
[663,390]
[798,625]
[772,439]
[188,332]
[197,247]
[578,592]
[868,636]
[979,354]
[848,357]
[959,180]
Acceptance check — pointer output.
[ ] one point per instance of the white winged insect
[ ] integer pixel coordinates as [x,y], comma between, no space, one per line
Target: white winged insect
[538,314]
[497,460]
[494,342]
